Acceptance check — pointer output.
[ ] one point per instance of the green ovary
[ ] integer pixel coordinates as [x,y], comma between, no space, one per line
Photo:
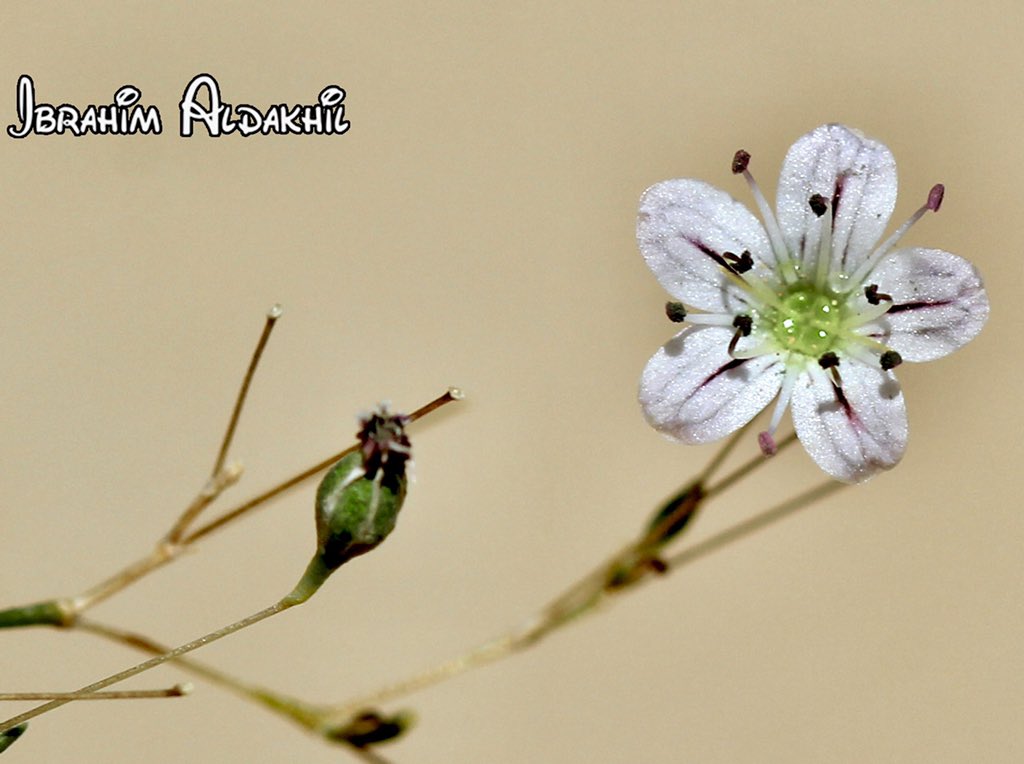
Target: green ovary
[808,321]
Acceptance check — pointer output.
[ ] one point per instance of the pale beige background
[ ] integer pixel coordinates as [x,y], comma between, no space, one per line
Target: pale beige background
[476,228]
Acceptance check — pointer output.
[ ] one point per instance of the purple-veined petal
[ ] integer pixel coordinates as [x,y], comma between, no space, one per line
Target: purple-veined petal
[856,175]
[939,302]
[684,228]
[694,391]
[854,431]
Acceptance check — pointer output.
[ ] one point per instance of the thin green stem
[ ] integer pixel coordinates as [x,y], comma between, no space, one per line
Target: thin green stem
[153,662]
[579,599]
[300,712]
[755,523]
[165,551]
[746,468]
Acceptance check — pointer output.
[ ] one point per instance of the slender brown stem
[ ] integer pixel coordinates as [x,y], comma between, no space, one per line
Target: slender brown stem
[272,315]
[215,485]
[451,394]
[244,507]
[579,599]
[193,511]
[165,552]
[746,468]
[303,713]
[160,555]
[755,523]
[151,663]
[177,691]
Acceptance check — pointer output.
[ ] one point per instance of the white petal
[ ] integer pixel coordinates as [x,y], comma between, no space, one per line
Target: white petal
[693,391]
[684,227]
[856,175]
[939,302]
[854,432]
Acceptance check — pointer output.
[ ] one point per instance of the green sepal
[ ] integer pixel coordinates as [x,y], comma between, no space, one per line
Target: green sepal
[354,514]
[674,515]
[7,737]
[49,613]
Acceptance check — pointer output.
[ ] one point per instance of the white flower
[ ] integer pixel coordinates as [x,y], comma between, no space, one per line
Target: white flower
[806,309]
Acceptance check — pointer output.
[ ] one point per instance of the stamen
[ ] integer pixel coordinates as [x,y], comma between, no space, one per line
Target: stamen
[675,311]
[754,351]
[739,263]
[767,444]
[753,284]
[743,326]
[869,314]
[830,362]
[739,165]
[874,296]
[740,160]
[890,360]
[935,196]
[765,439]
[864,348]
[819,206]
[710,319]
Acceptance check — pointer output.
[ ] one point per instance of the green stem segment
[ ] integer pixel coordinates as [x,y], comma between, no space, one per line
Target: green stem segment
[49,613]
[316,573]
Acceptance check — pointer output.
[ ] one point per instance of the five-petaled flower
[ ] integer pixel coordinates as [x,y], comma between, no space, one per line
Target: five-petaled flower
[807,309]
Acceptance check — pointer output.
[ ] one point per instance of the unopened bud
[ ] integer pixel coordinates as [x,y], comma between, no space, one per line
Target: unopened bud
[370,728]
[7,737]
[358,500]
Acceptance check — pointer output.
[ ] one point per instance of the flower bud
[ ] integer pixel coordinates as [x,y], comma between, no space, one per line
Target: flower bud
[370,727]
[358,500]
[7,737]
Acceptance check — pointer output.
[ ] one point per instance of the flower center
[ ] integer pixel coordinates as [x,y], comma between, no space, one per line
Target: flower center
[808,321]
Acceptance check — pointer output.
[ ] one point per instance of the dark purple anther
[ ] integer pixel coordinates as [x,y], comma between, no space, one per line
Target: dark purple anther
[740,160]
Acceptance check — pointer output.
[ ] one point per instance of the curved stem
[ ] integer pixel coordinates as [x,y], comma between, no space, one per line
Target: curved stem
[165,551]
